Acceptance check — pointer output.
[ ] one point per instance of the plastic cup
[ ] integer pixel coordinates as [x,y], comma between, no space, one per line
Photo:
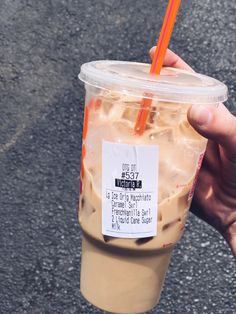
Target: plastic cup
[136,190]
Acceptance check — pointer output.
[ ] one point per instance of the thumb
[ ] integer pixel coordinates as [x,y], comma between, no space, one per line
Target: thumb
[217,124]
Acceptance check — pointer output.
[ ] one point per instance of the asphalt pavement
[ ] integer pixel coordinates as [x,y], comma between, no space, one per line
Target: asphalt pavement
[43,44]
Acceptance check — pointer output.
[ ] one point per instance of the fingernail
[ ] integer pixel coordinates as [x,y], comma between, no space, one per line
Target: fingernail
[152,50]
[201,115]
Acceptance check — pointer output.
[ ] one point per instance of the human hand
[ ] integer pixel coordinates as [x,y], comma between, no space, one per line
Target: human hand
[215,195]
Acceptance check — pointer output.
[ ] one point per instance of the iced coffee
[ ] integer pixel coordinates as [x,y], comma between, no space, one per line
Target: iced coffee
[136,189]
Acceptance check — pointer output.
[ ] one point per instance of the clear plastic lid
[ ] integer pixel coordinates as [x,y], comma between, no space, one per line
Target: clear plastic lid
[172,85]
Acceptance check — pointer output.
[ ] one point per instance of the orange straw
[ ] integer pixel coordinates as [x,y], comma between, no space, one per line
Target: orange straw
[158,60]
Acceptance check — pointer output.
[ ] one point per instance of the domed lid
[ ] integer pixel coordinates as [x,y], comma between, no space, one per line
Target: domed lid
[172,85]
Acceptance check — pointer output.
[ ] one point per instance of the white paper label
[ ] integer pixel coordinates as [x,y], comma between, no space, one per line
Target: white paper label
[129,190]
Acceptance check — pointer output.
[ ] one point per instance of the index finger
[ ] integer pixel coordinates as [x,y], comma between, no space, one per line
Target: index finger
[172,60]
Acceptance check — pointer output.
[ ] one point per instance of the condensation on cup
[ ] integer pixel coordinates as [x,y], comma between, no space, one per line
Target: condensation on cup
[136,189]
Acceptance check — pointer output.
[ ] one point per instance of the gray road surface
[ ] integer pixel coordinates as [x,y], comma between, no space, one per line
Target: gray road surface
[43,44]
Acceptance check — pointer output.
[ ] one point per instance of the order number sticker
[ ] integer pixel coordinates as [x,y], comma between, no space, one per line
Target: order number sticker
[129,190]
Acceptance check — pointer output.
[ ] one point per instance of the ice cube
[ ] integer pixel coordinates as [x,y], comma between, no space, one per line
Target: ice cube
[154,120]
[130,100]
[106,106]
[153,115]
[170,114]
[108,109]
[116,111]
[130,113]
[123,132]
[93,143]
[161,136]
[96,173]
[110,95]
